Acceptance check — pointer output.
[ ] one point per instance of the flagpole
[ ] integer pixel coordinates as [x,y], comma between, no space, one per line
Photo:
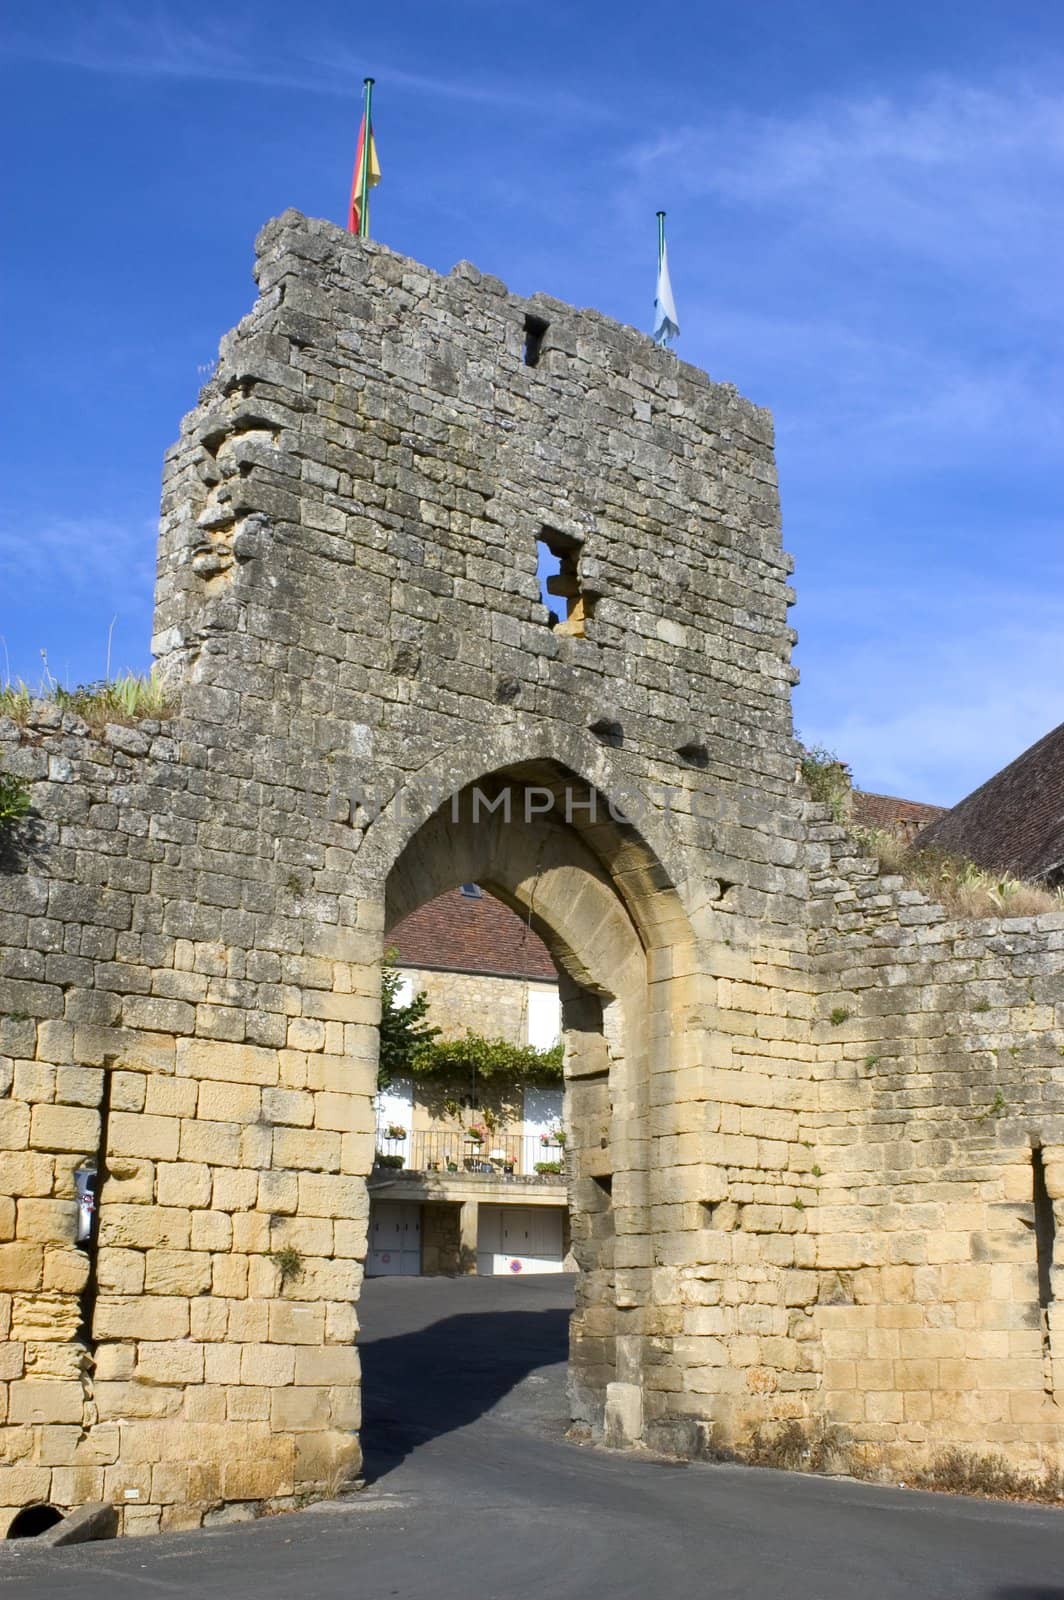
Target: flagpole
[661,237]
[367,146]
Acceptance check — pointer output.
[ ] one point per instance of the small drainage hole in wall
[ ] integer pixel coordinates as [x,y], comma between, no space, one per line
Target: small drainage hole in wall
[33,1520]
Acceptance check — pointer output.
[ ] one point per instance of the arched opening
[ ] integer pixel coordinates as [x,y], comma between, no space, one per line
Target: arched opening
[33,1520]
[469,1167]
[548,846]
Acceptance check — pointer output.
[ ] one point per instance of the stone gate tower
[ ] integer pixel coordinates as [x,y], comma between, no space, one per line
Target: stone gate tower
[805,1155]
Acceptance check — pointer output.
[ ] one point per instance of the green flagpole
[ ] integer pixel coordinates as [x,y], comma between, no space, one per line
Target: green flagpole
[363,199]
[661,237]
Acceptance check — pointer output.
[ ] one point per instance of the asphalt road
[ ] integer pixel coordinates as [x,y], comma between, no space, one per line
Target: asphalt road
[475,1495]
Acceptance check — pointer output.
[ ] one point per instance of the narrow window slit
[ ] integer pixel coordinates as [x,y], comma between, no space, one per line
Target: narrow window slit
[1045,1229]
[535,329]
[90,1183]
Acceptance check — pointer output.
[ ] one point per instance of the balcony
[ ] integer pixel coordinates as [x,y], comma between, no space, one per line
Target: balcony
[520,1159]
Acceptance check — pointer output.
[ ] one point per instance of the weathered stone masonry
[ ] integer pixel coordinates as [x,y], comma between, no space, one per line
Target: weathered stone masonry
[802,1169]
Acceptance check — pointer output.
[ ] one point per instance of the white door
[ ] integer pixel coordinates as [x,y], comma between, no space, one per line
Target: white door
[394,1239]
[395,1108]
[543,1118]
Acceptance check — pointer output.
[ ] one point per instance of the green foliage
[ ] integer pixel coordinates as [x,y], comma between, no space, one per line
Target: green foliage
[457,1060]
[994,1109]
[14,801]
[838,1016]
[403,1031]
[829,780]
[288,1261]
[133,697]
[549,1169]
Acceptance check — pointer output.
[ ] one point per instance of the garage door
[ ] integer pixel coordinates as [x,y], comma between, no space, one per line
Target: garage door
[519,1239]
[394,1239]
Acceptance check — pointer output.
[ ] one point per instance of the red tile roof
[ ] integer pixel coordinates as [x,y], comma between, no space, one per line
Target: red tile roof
[1015,821]
[455,933]
[903,817]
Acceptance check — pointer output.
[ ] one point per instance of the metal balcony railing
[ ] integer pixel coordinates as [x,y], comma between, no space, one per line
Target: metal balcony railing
[528,1158]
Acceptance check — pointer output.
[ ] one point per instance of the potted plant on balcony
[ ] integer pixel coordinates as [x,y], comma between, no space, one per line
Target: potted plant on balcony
[395,1130]
[476,1134]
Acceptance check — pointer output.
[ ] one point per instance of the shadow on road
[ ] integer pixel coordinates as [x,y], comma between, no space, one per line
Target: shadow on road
[1024,1592]
[422,1384]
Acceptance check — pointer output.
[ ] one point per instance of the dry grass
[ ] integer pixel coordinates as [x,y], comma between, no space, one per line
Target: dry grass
[819,1446]
[128,699]
[16,702]
[956,1472]
[815,1446]
[959,886]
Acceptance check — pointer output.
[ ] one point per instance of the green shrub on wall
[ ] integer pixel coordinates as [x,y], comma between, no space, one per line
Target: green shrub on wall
[14,802]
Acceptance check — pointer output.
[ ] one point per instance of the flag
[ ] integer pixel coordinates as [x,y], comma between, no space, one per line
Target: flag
[366,176]
[666,326]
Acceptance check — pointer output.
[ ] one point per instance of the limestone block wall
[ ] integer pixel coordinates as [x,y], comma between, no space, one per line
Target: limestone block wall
[150,1023]
[939,1118]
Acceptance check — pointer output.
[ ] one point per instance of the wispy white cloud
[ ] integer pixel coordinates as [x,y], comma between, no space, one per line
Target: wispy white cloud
[949,171]
[84,595]
[149,43]
[80,557]
[900,301]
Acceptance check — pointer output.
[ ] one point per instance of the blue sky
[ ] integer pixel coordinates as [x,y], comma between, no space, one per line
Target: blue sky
[865,234]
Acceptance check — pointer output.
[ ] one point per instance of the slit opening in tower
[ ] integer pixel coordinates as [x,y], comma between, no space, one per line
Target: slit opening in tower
[559,581]
[535,330]
[1045,1230]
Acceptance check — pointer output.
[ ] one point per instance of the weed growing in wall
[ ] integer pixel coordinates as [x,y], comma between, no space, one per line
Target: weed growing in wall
[14,802]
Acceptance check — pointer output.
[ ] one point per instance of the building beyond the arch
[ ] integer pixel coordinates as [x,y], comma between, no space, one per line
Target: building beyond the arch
[817,1171]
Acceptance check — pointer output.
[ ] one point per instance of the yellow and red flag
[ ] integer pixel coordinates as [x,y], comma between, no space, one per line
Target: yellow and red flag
[367,173]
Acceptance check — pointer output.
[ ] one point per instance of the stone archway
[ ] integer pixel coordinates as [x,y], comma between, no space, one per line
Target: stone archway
[550,846]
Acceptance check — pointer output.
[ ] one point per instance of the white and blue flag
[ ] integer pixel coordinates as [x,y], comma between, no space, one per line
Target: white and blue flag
[666,326]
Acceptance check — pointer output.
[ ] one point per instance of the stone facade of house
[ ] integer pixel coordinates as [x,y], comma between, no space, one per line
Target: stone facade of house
[817,1130]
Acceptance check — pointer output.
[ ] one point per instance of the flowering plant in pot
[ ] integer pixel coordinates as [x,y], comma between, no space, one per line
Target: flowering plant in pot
[395,1130]
[476,1133]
